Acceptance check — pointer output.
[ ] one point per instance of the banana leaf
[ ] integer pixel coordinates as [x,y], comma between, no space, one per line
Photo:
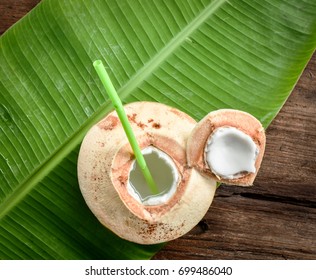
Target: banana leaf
[195,55]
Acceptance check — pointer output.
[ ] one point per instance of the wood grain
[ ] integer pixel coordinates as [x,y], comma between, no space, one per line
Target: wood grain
[276,218]
[12,10]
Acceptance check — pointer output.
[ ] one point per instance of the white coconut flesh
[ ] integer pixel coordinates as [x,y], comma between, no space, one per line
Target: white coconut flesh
[164,173]
[230,153]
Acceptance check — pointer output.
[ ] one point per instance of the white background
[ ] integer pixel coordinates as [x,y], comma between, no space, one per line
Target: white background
[252,270]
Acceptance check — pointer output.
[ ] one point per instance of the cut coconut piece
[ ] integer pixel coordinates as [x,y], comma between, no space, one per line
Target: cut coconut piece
[105,172]
[227,145]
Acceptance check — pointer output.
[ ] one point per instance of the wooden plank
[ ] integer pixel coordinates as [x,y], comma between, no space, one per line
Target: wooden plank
[12,10]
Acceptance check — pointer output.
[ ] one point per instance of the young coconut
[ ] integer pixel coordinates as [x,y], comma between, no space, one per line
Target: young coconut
[113,186]
[227,145]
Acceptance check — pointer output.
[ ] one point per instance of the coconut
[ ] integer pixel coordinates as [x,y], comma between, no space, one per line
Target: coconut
[114,189]
[228,146]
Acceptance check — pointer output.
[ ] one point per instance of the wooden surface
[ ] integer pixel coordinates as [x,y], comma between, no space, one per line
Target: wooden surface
[276,218]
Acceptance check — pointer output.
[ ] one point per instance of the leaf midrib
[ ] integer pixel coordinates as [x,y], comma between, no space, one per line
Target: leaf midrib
[44,169]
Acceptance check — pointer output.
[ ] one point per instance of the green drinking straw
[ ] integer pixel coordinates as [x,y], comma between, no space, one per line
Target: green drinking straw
[106,81]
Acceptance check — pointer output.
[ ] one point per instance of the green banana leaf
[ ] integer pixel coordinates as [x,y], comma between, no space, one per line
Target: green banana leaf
[195,55]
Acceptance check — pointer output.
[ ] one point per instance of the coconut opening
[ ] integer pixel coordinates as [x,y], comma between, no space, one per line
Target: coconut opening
[164,173]
[231,153]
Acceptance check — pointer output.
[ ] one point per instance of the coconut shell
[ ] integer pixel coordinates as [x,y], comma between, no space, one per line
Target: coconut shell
[104,162]
[225,118]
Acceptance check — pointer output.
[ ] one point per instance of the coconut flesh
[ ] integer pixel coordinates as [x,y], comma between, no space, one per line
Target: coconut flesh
[185,158]
[164,173]
[230,153]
